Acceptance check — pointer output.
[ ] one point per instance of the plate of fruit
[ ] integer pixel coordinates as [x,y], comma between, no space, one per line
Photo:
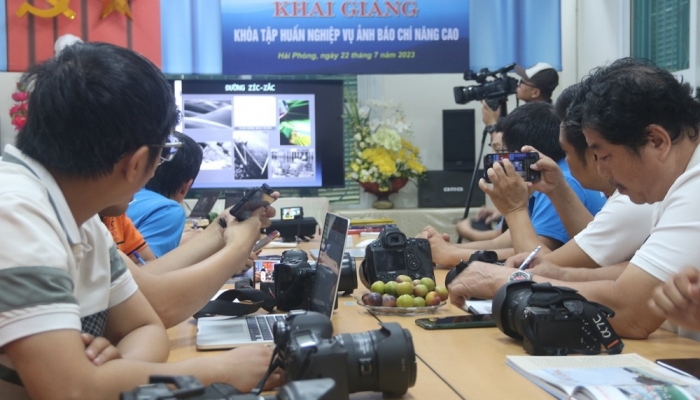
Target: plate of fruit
[404,297]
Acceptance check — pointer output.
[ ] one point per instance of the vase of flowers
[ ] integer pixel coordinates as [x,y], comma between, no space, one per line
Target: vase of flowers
[383,158]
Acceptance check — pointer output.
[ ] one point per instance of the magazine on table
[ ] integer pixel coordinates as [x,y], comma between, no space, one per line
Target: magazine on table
[620,376]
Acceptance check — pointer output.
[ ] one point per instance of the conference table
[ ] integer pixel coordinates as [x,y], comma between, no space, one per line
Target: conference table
[451,363]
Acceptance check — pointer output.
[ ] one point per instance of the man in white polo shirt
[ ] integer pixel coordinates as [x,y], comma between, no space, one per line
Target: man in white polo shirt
[99,122]
[643,127]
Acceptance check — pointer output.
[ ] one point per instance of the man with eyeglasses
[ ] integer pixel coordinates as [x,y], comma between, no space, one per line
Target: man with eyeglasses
[156,210]
[99,122]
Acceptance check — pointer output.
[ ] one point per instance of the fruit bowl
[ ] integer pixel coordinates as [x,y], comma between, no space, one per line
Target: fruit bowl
[379,310]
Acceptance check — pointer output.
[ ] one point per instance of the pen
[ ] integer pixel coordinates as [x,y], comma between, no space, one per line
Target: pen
[139,258]
[529,258]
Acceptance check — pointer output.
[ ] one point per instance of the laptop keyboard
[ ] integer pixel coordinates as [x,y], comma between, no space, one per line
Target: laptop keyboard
[260,327]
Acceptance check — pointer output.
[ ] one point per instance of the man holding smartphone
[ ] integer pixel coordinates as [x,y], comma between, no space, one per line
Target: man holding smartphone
[643,126]
[530,124]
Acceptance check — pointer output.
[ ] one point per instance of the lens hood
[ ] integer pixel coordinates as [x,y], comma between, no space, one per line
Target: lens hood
[502,309]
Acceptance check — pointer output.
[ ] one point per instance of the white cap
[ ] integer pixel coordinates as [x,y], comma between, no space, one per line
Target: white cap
[63,41]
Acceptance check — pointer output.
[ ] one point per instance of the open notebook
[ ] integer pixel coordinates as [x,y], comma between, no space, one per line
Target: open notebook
[228,332]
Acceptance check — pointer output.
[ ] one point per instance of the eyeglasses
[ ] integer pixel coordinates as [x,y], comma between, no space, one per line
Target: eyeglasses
[168,149]
[523,82]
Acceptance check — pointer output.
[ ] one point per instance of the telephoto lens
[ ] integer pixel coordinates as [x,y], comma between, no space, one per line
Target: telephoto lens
[382,360]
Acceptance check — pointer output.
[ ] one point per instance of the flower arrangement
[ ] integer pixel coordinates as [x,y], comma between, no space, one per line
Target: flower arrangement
[18,112]
[381,152]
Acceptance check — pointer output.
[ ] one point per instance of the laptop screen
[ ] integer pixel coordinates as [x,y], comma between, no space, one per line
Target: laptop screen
[330,259]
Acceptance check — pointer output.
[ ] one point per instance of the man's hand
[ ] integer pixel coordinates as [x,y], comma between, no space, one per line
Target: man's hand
[489,116]
[488,215]
[99,350]
[245,366]
[679,299]
[440,246]
[508,190]
[189,234]
[551,175]
[480,280]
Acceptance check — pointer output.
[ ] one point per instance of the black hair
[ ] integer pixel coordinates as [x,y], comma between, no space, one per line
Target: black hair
[535,124]
[569,110]
[170,175]
[621,100]
[92,104]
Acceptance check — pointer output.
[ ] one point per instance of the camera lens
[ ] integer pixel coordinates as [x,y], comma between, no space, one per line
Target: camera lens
[381,360]
[508,307]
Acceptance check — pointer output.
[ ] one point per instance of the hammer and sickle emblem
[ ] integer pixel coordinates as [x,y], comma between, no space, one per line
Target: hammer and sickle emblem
[59,7]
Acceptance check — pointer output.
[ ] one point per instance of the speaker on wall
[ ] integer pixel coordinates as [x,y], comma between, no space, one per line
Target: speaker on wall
[448,189]
[458,140]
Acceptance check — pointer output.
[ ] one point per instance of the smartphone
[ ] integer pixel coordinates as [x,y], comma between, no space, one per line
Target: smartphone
[260,244]
[252,200]
[457,322]
[689,367]
[521,162]
[287,213]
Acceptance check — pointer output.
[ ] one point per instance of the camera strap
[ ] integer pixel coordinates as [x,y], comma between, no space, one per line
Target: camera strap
[596,328]
[249,301]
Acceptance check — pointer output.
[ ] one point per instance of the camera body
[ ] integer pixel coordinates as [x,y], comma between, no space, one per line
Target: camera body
[382,360]
[554,320]
[393,254]
[295,279]
[487,256]
[495,91]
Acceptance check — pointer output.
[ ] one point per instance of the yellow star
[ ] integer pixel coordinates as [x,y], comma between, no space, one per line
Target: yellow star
[120,6]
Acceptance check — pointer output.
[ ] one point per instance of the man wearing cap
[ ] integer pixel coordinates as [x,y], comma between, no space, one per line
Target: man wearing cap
[537,83]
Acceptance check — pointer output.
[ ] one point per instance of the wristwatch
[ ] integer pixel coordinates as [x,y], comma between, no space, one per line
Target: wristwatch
[519,275]
[490,128]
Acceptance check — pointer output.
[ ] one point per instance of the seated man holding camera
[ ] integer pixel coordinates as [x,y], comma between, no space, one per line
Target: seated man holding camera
[643,127]
[593,243]
[88,136]
[533,124]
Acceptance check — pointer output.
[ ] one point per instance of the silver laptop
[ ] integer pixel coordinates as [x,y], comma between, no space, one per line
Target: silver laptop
[228,332]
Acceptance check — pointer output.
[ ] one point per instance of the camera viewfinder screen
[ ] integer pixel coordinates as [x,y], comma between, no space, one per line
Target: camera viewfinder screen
[392,260]
[521,162]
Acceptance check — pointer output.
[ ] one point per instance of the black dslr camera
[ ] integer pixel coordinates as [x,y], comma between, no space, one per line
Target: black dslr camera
[188,387]
[494,91]
[481,255]
[554,320]
[383,360]
[392,254]
[295,279]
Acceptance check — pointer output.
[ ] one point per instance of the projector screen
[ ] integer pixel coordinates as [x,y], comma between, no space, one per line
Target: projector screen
[283,133]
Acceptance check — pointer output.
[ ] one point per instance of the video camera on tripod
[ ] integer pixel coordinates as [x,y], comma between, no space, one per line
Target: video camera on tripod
[494,91]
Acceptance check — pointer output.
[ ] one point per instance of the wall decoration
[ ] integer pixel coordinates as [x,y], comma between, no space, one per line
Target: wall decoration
[120,6]
[31,40]
[59,7]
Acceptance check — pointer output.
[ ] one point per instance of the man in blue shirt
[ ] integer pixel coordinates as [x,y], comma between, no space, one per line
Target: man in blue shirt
[535,124]
[156,210]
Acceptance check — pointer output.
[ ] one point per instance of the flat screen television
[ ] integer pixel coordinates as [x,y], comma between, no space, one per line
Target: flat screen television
[288,134]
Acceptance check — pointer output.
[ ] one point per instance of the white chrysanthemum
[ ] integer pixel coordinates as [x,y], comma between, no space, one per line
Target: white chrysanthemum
[387,138]
[363,111]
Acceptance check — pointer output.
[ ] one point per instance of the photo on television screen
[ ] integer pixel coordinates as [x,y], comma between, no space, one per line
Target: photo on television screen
[207,114]
[286,133]
[250,154]
[216,156]
[292,163]
[295,122]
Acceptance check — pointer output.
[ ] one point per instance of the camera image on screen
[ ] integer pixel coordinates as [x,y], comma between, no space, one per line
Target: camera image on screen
[288,213]
[521,163]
